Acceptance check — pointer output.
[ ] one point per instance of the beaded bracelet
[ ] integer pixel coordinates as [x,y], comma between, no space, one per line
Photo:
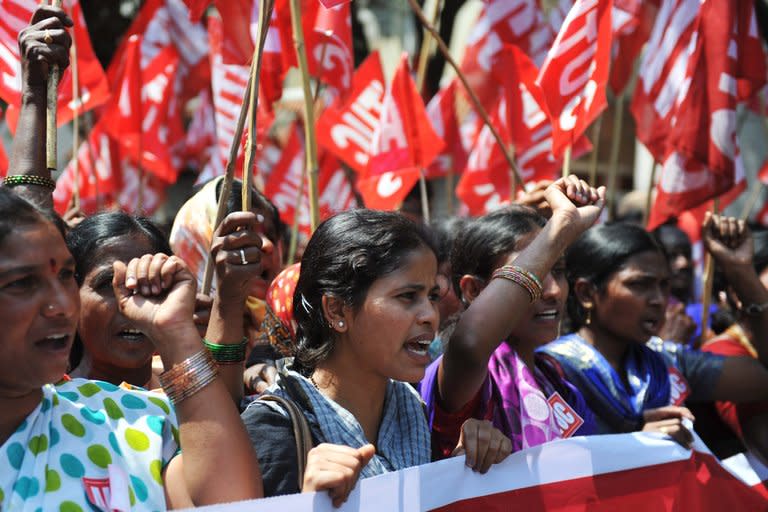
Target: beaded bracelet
[522,277]
[189,376]
[227,354]
[24,179]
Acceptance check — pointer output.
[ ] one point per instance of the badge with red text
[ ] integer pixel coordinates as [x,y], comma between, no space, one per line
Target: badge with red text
[678,387]
[567,419]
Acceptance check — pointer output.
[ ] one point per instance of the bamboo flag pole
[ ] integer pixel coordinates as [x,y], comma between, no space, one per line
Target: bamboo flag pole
[51,103]
[426,45]
[226,184]
[251,119]
[708,278]
[593,158]
[424,197]
[613,162]
[75,125]
[567,161]
[512,181]
[649,195]
[293,244]
[310,142]
[473,97]
[229,173]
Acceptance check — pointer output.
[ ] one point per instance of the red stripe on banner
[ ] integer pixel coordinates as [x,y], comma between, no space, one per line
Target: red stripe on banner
[698,484]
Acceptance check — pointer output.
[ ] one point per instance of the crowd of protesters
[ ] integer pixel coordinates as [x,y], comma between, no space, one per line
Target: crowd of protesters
[393,344]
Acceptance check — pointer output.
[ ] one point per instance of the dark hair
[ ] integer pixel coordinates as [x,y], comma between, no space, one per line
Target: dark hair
[258,200]
[344,257]
[445,231]
[600,252]
[486,239]
[16,211]
[85,239]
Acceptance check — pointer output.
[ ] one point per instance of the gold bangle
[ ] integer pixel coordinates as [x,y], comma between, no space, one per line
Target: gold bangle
[189,376]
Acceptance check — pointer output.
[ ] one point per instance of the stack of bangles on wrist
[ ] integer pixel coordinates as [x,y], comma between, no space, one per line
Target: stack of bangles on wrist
[189,376]
[24,179]
[522,277]
[227,354]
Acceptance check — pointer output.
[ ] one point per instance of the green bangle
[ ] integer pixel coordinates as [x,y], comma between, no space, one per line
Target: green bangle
[24,179]
[227,354]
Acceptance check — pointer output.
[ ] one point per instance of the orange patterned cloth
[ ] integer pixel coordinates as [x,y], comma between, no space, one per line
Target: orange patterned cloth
[278,323]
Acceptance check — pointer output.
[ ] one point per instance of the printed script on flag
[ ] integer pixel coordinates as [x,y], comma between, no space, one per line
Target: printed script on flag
[613,472]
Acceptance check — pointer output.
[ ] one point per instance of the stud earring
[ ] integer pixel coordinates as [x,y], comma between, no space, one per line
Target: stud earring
[341,324]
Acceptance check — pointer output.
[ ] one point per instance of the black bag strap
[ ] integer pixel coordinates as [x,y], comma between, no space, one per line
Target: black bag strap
[301,432]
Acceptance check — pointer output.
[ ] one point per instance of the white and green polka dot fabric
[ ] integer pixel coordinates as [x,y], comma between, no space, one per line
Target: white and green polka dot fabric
[84,432]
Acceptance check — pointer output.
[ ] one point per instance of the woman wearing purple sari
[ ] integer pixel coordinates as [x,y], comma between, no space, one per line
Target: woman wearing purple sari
[508,272]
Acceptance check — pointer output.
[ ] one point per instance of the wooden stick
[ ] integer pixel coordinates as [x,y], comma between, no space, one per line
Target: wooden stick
[649,195]
[294,242]
[613,162]
[708,278]
[512,182]
[754,195]
[75,124]
[424,197]
[567,161]
[426,46]
[51,102]
[475,101]
[310,140]
[247,175]
[226,185]
[449,179]
[593,158]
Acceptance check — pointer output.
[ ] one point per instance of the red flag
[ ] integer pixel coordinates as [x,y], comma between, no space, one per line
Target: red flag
[163,23]
[93,88]
[229,80]
[442,114]
[282,187]
[98,175]
[575,71]
[518,22]
[123,114]
[328,40]
[346,129]
[701,158]
[141,124]
[403,145]
[632,22]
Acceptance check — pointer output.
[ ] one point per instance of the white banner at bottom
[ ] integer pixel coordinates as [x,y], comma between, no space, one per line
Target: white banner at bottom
[613,472]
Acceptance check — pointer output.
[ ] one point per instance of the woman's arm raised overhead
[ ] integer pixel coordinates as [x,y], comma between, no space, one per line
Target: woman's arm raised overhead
[496,310]
[44,43]
[157,293]
[743,379]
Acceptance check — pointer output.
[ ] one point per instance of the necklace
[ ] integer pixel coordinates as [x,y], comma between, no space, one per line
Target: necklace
[312,380]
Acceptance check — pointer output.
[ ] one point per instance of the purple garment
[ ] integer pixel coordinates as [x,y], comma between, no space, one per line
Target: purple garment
[501,390]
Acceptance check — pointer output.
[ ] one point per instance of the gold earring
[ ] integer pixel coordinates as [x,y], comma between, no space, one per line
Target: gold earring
[588,320]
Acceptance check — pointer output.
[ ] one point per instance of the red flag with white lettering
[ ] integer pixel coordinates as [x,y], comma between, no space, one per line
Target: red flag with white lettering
[346,129]
[726,65]
[98,173]
[140,123]
[92,82]
[403,145]
[284,182]
[575,72]
[518,22]
[442,114]
[123,114]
